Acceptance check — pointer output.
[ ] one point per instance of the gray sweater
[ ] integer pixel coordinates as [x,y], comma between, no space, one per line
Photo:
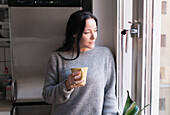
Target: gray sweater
[97,97]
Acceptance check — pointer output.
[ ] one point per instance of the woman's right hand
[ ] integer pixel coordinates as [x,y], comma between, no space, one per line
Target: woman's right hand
[73,80]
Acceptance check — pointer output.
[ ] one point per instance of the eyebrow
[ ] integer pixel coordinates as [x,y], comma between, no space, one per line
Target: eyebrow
[89,28]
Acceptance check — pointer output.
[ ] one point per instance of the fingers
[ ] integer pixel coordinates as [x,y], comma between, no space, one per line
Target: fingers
[78,82]
[76,86]
[75,76]
[73,81]
[78,73]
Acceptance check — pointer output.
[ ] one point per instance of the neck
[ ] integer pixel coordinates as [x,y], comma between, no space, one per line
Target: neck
[84,49]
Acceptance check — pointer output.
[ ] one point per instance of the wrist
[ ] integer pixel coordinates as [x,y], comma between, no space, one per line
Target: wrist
[67,87]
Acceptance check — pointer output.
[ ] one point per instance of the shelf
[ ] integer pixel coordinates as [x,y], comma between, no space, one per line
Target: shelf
[3,6]
[5,74]
[7,46]
[4,26]
[4,61]
[4,23]
[4,40]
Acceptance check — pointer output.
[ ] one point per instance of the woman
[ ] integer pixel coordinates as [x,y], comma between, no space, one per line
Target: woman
[61,89]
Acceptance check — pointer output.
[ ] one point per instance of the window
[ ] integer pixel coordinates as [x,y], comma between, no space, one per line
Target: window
[164,83]
[163,40]
[162,104]
[144,53]
[164,7]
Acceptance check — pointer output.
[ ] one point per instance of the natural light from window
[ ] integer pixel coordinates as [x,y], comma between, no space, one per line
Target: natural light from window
[164,96]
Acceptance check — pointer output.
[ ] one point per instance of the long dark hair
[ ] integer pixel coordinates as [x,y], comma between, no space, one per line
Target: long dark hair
[75,26]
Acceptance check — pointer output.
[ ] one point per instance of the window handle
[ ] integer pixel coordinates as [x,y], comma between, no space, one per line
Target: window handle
[125,32]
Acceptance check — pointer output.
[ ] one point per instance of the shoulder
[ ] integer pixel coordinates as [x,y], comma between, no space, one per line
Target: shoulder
[53,57]
[103,50]
[105,53]
[54,54]
[57,53]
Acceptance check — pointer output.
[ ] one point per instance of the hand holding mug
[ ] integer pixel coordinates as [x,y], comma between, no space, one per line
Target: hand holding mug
[74,80]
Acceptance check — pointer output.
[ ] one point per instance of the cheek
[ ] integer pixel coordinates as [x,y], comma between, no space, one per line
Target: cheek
[84,40]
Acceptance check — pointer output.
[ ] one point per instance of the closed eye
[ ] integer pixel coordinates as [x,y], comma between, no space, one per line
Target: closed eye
[86,32]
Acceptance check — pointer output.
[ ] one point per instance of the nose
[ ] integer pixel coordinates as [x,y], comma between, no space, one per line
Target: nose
[93,35]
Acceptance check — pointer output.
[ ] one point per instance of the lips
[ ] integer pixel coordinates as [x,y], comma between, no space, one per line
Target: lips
[92,43]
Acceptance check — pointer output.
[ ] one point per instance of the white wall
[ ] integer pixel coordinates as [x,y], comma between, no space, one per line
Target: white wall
[105,11]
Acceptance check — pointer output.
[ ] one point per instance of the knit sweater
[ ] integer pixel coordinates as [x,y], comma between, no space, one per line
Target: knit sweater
[97,97]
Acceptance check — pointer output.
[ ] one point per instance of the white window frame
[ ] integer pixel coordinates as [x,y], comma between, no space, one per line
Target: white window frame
[124,62]
[152,33]
[156,57]
[147,62]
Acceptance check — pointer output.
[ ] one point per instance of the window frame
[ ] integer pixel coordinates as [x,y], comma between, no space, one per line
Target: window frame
[146,52]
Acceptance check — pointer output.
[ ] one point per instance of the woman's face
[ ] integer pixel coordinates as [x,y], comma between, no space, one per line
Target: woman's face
[89,35]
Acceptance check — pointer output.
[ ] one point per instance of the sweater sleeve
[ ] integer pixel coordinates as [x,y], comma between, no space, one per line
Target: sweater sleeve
[54,92]
[110,101]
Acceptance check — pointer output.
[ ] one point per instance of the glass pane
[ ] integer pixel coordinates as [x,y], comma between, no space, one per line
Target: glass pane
[164,96]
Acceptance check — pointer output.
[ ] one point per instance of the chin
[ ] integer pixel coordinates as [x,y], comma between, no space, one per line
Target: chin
[92,46]
[88,48]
